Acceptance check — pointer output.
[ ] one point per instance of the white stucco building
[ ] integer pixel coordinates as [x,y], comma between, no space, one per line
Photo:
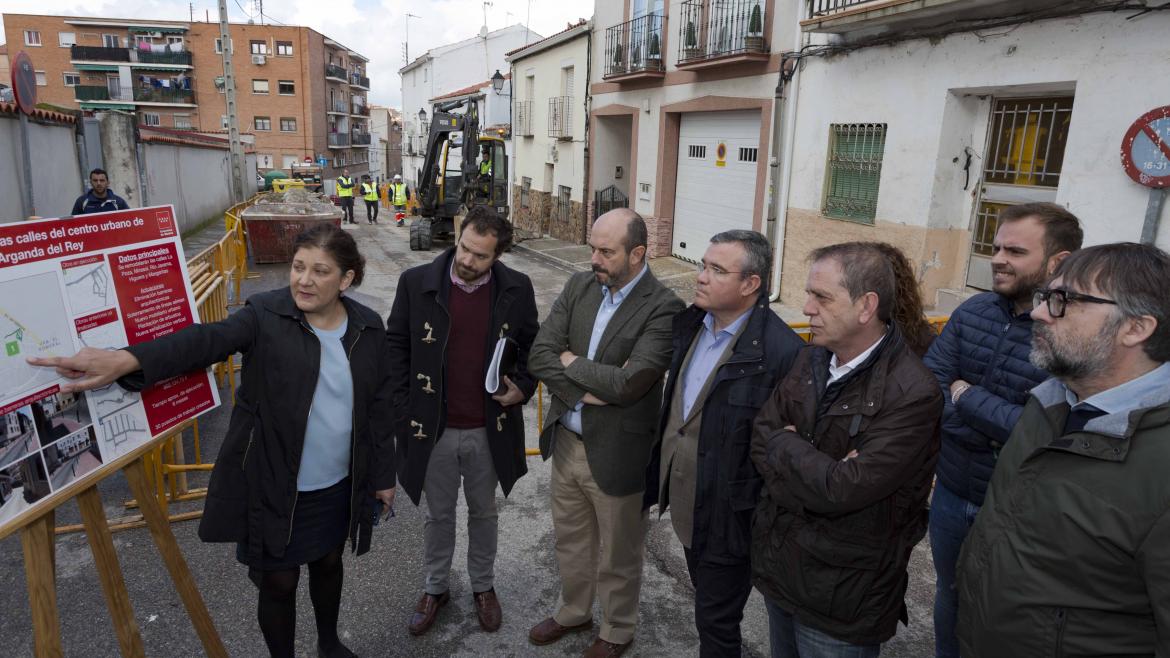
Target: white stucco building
[549,132]
[910,130]
[446,69]
[907,121]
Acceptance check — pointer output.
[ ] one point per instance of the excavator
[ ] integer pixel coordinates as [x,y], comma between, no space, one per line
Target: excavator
[453,179]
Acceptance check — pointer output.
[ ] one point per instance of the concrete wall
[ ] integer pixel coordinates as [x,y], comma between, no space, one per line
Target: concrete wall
[56,175]
[936,96]
[195,179]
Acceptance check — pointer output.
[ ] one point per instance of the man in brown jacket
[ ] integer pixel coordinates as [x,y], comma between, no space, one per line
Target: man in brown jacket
[847,447]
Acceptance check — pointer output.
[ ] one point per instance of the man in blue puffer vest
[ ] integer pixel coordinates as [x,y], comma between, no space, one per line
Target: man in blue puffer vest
[981,362]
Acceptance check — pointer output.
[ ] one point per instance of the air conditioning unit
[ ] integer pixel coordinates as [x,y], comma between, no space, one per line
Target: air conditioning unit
[259,60]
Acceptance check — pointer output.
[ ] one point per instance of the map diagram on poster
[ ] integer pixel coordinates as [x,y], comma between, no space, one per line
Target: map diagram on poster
[104,281]
[32,323]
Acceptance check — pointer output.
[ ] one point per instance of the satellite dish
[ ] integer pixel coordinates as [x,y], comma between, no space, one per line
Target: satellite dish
[483,32]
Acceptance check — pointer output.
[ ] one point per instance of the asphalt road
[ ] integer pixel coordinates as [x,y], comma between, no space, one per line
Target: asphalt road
[381,587]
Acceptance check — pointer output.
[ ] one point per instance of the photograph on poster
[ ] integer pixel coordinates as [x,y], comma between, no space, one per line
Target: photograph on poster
[72,457]
[18,435]
[21,485]
[32,323]
[59,415]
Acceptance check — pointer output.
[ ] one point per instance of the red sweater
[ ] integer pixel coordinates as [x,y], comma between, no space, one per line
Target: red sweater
[467,356]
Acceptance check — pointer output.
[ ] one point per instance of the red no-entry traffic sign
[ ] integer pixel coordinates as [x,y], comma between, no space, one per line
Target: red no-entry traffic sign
[1145,149]
[24,82]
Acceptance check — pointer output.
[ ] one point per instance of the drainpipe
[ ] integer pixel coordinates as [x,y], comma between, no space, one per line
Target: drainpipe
[783,129]
[587,180]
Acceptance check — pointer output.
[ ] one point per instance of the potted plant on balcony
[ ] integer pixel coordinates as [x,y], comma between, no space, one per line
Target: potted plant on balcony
[654,52]
[754,41]
[619,59]
[690,42]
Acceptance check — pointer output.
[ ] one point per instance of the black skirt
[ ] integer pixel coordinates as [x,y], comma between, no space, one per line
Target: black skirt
[320,525]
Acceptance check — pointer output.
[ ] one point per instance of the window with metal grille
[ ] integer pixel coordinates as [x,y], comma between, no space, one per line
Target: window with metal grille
[854,170]
[986,224]
[1027,141]
[525,190]
[748,155]
[697,151]
[564,203]
[151,119]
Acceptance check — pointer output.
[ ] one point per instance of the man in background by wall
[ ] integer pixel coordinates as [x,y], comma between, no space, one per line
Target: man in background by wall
[99,198]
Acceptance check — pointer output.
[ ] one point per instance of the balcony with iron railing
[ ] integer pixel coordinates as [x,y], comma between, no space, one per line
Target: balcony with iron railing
[180,59]
[359,80]
[522,120]
[361,139]
[560,117]
[336,73]
[721,32]
[98,54]
[893,16]
[338,140]
[633,49]
[336,107]
[164,95]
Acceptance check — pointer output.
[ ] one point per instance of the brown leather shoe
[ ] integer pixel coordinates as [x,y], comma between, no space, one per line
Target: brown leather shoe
[426,611]
[549,631]
[487,608]
[603,649]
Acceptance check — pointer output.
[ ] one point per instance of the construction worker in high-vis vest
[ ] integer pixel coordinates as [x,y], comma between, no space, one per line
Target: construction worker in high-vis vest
[345,195]
[370,196]
[485,172]
[399,197]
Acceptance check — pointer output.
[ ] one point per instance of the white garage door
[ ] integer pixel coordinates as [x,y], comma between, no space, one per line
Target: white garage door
[714,194]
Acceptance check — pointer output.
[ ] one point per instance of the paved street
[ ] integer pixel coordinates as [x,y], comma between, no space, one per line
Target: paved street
[383,585]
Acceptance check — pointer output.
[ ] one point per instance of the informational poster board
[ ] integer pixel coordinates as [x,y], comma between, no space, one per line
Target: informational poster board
[106,281]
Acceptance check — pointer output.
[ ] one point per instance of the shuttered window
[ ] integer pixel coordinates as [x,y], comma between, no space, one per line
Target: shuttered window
[854,170]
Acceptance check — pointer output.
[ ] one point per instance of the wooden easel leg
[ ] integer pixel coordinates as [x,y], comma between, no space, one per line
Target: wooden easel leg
[110,572]
[40,570]
[160,530]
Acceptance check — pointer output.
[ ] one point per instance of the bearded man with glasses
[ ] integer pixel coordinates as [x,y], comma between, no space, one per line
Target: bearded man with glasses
[1069,556]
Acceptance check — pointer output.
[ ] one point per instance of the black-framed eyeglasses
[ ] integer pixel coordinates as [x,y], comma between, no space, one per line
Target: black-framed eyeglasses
[1058,299]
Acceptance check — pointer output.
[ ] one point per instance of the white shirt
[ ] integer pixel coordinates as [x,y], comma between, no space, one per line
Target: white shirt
[838,371]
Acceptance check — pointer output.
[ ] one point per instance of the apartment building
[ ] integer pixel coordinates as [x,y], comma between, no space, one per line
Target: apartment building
[682,114]
[549,121]
[445,69]
[301,94]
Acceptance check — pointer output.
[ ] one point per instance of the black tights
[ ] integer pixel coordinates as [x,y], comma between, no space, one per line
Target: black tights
[277,607]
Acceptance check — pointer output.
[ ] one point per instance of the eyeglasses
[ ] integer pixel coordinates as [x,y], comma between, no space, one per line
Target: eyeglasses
[1058,300]
[715,270]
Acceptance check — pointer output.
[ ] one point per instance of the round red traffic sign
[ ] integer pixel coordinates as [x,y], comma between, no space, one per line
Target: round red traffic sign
[1145,149]
[24,82]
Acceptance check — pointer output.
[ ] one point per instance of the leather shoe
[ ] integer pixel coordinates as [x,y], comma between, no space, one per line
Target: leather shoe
[487,608]
[549,631]
[603,649]
[426,611]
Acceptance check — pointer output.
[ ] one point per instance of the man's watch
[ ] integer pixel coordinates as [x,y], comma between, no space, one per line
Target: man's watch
[958,392]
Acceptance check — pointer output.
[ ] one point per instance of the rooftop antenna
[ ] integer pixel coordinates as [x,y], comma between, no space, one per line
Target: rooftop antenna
[406,44]
[486,4]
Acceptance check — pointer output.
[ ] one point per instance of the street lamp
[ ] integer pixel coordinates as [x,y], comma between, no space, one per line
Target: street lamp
[498,82]
[422,116]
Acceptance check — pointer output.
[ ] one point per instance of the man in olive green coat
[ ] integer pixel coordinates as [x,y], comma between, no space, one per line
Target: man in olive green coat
[602,352]
[1070,555]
